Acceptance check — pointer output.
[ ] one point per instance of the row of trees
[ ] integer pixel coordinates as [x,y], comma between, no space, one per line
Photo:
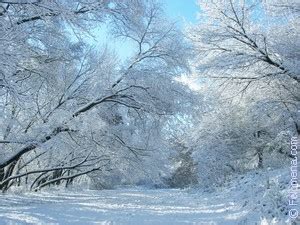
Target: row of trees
[68,110]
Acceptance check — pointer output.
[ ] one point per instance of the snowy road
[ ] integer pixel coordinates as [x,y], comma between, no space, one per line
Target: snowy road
[124,206]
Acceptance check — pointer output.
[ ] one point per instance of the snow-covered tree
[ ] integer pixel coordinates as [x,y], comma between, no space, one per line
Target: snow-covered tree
[247,67]
[68,110]
[242,44]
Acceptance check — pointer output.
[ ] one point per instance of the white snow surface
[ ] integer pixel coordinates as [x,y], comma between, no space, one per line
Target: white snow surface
[124,206]
[242,202]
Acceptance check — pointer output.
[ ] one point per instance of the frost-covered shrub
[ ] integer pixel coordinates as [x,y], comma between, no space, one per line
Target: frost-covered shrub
[276,152]
[185,173]
[273,204]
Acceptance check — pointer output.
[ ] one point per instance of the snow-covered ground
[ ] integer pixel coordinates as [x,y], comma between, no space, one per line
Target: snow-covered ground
[124,206]
[245,201]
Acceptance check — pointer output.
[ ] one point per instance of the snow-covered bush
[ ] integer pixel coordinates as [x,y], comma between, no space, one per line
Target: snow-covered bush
[184,171]
[273,203]
[277,151]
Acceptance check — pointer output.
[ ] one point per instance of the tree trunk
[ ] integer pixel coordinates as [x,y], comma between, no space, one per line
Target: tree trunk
[260,158]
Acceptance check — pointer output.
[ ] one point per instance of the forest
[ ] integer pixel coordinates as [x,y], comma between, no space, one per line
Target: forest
[104,99]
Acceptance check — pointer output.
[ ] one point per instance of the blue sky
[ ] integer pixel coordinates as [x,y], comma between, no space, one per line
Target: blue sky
[180,11]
